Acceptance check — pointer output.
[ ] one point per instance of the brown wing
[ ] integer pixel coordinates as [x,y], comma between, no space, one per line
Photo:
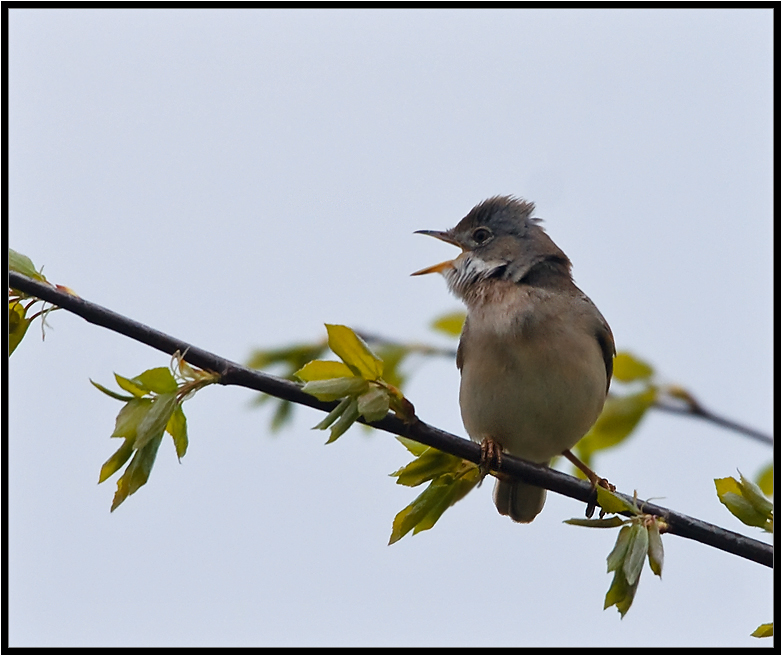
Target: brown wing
[606,340]
[604,337]
[460,349]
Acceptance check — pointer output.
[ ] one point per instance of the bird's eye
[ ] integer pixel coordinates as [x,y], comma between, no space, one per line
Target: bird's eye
[481,235]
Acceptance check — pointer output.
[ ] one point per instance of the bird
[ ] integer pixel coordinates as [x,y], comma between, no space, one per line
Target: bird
[535,354]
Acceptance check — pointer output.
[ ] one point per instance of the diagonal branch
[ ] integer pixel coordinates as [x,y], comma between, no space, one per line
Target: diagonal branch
[235,374]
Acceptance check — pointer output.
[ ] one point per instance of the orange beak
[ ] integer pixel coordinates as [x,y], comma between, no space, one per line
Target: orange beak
[437,268]
[442,236]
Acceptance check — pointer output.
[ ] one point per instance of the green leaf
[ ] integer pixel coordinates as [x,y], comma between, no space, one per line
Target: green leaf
[335,388]
[618,589]
[130,386]
[408,517]
[617,555]
[755,496]
[18,324]
[156,419]
[455,488]
[441,501]
[628,368]
[416,448]
[144,460]
[620,594]
[323,370]
[116,461]
[743,510]
[450,324]
[113,395]
[129,418]
[612,503]
[728,484]
[764,631]
[159,380]
[656,554]
[347,419]
[637,550]
[177,428]
[373,404]
[620,416]
[467,479]
[607,522]
[137,472]
[354,352]
[332,416]
[429,465]
[23,264]
[765,479]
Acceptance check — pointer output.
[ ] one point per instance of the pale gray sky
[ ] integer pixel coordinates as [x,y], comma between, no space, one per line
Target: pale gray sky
[238,178]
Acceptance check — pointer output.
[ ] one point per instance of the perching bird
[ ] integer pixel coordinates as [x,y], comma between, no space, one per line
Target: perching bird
[535,355]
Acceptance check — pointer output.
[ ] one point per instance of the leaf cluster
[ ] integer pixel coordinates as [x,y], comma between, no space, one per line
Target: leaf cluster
[152,407]
[746,501]
[289,360]
[20,305]
[356,382]
[450,479]
[639,540]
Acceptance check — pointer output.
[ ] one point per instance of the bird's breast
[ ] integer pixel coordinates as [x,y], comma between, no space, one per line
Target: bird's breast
[533,377]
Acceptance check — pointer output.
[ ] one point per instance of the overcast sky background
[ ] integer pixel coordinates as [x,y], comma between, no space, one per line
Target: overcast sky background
[238,178]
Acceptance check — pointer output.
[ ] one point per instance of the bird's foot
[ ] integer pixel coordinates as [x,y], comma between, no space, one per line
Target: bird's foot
[491,457]
[594,479]
[604,483]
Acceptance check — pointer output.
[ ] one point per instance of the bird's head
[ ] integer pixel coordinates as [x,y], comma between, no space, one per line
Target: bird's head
[500,241]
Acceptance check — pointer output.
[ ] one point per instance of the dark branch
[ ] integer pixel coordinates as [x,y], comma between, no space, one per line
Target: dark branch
[236,374]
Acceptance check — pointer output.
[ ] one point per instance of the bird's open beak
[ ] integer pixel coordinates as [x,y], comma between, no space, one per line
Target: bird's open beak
[442,236]
[437,268]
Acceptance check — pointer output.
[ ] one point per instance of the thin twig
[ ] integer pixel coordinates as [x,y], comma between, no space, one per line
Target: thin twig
[236,374]
[702,413]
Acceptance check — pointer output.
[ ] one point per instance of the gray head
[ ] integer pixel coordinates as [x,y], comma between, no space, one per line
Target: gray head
[500,240]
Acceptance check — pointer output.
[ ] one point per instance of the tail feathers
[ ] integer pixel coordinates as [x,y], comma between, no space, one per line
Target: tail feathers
[520,501]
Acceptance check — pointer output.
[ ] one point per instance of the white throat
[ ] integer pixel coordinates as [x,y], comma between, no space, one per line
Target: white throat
[467,270]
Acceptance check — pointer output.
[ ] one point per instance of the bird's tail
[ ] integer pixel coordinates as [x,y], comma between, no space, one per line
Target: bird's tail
[520,501]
